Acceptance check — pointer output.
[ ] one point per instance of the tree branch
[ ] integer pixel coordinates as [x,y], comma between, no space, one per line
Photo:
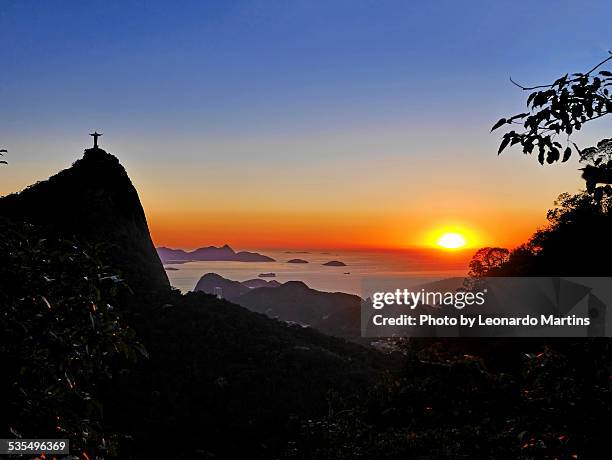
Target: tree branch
[531,88]
[528,88]
[601,63]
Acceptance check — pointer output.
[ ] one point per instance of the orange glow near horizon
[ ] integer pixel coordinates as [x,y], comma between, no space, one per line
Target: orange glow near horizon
[284,230]
[251,196]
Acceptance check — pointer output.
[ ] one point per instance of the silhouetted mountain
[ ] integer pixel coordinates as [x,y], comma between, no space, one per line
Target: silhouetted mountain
[297,261]
[334,313]
[230,290]
[218,371]
[210,282]
[210,253]
[95,201]
[174,255]
[258,282]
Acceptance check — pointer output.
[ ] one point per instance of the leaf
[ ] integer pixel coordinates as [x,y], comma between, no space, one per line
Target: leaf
[566,154]
[561,81]
[541,156]
[540,99]
[504,144]
[605,73]
[520,115]
[46,302]
[531,96]
[501,122]
[553,155]
[143,351]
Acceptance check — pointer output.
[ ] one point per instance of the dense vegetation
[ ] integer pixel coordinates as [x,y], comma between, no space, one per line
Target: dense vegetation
[61,338]
[527,401]
[574,243]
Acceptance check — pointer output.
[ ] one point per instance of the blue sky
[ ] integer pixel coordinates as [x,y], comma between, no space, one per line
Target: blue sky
[291,86]
[277,65]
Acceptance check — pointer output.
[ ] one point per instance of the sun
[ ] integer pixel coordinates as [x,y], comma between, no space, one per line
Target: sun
[452,237]
[451,240]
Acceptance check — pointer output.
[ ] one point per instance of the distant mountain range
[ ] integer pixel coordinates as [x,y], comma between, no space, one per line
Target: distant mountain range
[334,313]
[210,253]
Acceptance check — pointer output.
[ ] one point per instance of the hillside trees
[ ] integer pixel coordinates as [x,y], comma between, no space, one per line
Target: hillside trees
[60,339]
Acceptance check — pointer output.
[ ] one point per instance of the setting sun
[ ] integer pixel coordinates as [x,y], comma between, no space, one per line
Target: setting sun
[452,236]
[451,241]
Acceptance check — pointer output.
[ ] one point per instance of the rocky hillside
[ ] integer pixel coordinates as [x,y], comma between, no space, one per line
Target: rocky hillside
[95,201]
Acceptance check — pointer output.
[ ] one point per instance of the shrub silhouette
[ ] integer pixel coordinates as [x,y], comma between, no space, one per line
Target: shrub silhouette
[574,243]
[487,259]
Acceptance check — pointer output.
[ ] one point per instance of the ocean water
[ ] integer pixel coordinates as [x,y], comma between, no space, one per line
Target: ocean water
[359,265]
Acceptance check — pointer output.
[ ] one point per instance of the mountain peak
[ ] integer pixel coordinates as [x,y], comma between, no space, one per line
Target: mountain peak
[299,285]
[225,252]
[97,153]
[94,201]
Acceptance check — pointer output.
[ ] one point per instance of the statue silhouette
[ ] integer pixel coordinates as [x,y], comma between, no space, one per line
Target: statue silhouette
[95,135]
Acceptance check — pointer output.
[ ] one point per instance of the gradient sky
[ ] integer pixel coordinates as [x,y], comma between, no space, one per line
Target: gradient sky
[297,123]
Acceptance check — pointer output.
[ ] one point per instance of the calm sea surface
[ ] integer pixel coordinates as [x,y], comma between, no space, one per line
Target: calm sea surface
[360,265]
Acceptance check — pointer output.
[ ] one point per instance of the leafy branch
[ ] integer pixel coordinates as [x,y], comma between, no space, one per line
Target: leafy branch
[560,107]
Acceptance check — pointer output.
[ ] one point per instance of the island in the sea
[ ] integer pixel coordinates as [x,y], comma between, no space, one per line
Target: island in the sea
[335,263]
[210,253]
[297,261]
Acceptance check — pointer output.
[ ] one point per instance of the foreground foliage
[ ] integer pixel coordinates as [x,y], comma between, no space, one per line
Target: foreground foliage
[61,338]
[545,401]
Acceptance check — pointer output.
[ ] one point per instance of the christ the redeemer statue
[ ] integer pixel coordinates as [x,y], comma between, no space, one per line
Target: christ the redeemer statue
[95,135]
